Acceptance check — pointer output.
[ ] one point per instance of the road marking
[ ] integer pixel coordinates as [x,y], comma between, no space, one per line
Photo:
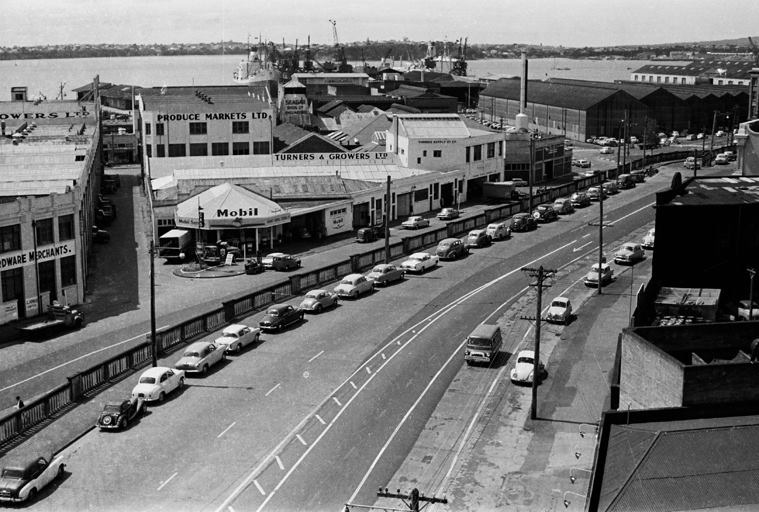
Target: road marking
[226,429]
[368,370]
[317,355]
[272,389]
[166,482]
[586,235]
[78,359]
[320,419]
[575,249]
[302,441]
[354,386]
[260,489]
[230,509]
[337,401]
[383,354]
[437,314]
[279,462]
[632,213]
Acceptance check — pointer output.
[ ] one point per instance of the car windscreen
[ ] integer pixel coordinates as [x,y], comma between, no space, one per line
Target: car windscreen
[558,304]
[444,245]
[347,281]
[479,342]
[525,359]
[147,380]
[112,408]
[13,473]
[272,312]
[379,270]
[229,334]
[191,354]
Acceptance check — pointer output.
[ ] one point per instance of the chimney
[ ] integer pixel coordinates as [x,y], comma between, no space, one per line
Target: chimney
[523,84]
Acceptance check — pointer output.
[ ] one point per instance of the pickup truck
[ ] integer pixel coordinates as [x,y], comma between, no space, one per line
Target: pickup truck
[59,317]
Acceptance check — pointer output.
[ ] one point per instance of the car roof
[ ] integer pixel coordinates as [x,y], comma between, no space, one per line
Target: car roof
[317,291]
[273,254]
[419,254]
[449,240]
[156,371]
[198,345]
[382,265]
[526,353]
[476,231]
[496,224]
[234,328]
[603,266]
[22,463]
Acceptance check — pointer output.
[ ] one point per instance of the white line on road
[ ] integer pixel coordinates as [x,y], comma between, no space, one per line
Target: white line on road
[383,354]
[586,235]
[166,482]
[320,419]
[226,429]
[340,405]
[77,359]
[317,355]
[437,314]
[279,462]
[260,489]
[230,509]
[575,249]
[302,441]
[354,386]
[632,213]
[272,389]
[368,370]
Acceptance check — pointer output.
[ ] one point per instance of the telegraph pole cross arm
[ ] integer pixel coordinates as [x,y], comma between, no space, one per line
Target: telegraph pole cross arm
[414,498]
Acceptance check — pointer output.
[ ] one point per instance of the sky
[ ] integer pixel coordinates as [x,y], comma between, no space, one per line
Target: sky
[550,22]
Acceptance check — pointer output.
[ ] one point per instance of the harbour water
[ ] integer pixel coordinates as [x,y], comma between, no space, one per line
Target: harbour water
[45,76]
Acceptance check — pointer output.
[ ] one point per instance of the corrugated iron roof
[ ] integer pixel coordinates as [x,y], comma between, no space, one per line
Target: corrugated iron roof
[575,96]
[433,126]
[726,68]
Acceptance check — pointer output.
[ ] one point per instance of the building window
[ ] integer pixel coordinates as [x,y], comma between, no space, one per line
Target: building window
[261,148]
[491,149]
[636,78]
[424,153]
[403,151]
[177,150]
[477,152]
[666,79]
[468,151]
[66,227]
[147,128]
[68,271]
[10,238]
[435,191]
[719,82]
[682,80]
[240,127]
[650,78]
[149,150]
[240,148]
[500,148]
[12,284]
[419,160]
[198,128]
[44,231]
[658,79]
[437,153]
[219,148]
[47,276]
[160,150]
[159,128]
[199,149]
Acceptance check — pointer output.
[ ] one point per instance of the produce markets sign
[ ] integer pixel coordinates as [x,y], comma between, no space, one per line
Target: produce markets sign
[16,259]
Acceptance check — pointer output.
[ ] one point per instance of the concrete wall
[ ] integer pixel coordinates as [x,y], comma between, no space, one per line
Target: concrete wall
[649,377]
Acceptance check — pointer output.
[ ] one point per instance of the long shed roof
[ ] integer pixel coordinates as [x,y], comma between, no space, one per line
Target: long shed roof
[567,95]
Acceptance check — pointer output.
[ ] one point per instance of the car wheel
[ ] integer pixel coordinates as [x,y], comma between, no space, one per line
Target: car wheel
[161,396]
[32,494]
[180,385]
[61,470]
[204,370]
[125,423]
[318,308]
[238,348]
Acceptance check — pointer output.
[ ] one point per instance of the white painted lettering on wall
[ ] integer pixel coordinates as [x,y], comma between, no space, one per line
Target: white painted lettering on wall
[329,157]
[43,115]
[439,141]
[24,258]
[212,116]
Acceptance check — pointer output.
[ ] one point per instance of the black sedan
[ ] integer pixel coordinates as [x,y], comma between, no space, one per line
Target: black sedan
[253,267]
[280,316]
[523,222]
[117,415]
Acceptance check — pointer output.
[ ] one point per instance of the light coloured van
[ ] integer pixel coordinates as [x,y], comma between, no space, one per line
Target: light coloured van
[483,344]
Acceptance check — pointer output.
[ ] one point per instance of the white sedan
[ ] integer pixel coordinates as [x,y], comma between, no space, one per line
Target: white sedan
[200,356]
[523,370]
[420,262]
[415,222]
[237,336]
[560,311]
[648,240]
[156,383]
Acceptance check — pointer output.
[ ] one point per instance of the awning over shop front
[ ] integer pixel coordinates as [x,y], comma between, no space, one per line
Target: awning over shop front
[230,206]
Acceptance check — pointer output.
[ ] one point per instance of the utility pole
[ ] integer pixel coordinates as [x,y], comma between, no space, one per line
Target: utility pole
[751,273]
[695,161]
[153,347]
[387,222]
[714,127]
[413,498]
[601,258]
[541,274]
[645,132]
[532,171]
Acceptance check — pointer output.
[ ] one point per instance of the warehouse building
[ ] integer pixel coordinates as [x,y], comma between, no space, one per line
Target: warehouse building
[720,72]
[49,181]
[572,110]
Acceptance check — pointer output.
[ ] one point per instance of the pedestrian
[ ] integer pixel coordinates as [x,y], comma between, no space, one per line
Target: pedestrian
[19,403]
[755,350]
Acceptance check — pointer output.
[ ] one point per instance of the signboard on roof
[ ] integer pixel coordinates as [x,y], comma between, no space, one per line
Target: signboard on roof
[333,158]
[16,259]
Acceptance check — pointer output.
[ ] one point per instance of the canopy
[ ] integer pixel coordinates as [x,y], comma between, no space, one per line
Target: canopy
[230,206]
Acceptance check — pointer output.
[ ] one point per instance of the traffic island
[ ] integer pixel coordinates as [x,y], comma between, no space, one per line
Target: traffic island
[204,272]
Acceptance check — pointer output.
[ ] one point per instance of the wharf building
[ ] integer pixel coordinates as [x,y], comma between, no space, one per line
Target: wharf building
[718,72]
[51,171]
[312,187]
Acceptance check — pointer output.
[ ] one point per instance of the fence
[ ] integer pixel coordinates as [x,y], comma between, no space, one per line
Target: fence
[92,380]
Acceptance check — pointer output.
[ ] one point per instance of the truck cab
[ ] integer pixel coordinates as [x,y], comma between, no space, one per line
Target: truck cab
[176,245]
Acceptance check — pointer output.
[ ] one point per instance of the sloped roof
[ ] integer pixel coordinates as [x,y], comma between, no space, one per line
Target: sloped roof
[429,76]
[409,91]
[637,90]
[693,469]
[575,96]
[397,108]
[725,68]
[289,133]
[330,144]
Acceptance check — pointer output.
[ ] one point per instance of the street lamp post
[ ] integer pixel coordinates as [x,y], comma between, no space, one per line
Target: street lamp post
[751,273]
[36,267]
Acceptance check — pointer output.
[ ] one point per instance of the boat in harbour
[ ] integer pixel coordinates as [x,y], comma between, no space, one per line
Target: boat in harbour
[261,66]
